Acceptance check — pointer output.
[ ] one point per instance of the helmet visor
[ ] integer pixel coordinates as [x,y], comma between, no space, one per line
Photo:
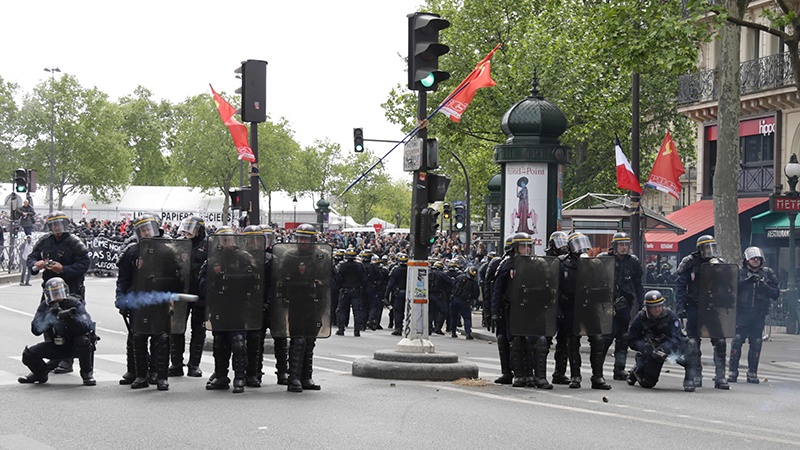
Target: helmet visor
[189,228]
[146,229]
[55,292]
[57,225]
[580,244]
[709,250]
[560,241]
[753,252]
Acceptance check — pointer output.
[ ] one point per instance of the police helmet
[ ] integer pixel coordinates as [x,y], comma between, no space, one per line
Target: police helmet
[192,227]
[472,272]
[520,242]
[402,258]
[438,265]
[375,259]
[384,260]
[57,222]
[508,244]
[269,235]
[253,236]
[558,241]
[651,299]
[651,266]
[453,263]
[350,253]
[707,247]
[339,253]
[55,290]
[754,252]
[306,232]
[666,267]
[579,243]
[366,253]
[492,255]
[621,243]
[146,226]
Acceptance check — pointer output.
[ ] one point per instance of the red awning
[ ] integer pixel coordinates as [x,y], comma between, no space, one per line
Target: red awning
[695,218]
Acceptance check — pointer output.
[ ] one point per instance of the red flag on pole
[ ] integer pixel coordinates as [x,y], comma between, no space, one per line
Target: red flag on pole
[237,129]
[667,169]
[457,102]
[626,179]
[84,209]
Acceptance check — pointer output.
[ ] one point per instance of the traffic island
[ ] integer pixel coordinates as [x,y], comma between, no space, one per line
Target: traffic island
[394,365]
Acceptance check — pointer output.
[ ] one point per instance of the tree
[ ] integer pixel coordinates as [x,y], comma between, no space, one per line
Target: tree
[9,129]
[146,124]
[726,208]
[583,53]
[90,155]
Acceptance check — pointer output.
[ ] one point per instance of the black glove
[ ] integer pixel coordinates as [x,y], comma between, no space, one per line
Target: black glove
[67,313]
[647,349]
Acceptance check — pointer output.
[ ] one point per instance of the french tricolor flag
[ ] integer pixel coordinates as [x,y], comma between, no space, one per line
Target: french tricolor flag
[626,179]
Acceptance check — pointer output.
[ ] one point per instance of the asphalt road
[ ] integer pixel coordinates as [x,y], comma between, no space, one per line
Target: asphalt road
[354,412]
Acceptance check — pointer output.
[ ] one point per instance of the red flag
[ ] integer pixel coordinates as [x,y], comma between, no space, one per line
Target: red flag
[457,102]
[237,129]
[667,169]
[84,209]
[626,179]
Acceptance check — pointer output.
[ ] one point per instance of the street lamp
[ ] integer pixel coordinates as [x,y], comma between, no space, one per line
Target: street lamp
[792,171]
[52,71]
[294,200]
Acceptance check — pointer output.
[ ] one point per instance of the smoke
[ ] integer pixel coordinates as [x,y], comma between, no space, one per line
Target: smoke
[136,300]
[45,321]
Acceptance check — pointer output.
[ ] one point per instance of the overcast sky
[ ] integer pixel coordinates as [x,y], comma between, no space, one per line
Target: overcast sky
[331,63]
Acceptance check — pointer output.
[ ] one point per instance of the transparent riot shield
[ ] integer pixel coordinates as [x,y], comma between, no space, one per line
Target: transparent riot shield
[533,296]
[594,296]
[718,289]
[235,283]
[163,269]
[301,277]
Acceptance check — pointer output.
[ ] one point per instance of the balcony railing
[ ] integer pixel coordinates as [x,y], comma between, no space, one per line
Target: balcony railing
[757,75]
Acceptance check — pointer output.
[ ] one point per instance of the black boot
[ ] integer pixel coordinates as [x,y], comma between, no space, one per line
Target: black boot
[297,348]
[597,356]
[504,349]
[196,344]
[37,367]
[620,358]
[518,362]
[239,347]
[308,366]
[282,360]
[218,382]
[222,354]
[162,361]
[540,363]
[85,349]
[130,374]
[736,354]
[753,355]
[255,358]
[720,348]
[64,366]
[574,357]
[177,343]
[560,357]
[141,362]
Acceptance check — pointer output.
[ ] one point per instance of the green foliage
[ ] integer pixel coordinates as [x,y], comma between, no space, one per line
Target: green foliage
[146,123]
[584,54]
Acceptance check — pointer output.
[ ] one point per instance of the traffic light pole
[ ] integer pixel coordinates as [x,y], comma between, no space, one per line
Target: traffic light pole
[254,214]
[415,325]
[467,219]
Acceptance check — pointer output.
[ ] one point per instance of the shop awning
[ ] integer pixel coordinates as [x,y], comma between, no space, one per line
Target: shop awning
[695,218]
[767,221]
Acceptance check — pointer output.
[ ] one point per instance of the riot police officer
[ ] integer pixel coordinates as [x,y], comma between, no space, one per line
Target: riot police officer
[375,293]
[627,290]
[61,254]
[351,278]
[519,345]
[557,244]
[655,334]
[68,332]
[497,322]
[395,294]
[465,292]
[192,228]
[439,284]
[255,338]
[486,296]
[758,286]
[688,294]
[567,339]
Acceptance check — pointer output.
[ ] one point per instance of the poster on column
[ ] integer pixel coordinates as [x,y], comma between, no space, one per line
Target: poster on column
[525,202]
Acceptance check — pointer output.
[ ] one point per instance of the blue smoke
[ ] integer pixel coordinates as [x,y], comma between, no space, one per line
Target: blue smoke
[46,321]
[136,300]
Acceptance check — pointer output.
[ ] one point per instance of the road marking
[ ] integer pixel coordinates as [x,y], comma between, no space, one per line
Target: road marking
[662,419]
[22,442]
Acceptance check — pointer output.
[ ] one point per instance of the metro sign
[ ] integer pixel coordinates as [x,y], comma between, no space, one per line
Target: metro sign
[784,204]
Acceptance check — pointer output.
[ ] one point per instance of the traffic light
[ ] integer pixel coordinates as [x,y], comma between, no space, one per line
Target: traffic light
[424,51]
[428,226]
[21,181]
[358,140]
[461,217]
[254,90]
[240,198]
[447,211]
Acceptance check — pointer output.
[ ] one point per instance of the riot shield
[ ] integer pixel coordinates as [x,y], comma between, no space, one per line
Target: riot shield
[718,289]
[235,283]
[533,295]
[594,296]
[164,266]
[301,275]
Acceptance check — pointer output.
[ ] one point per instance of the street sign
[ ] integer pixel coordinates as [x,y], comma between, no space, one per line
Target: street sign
[412,155]
[784,203]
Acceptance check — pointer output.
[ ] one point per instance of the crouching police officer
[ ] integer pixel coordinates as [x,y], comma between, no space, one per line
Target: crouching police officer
[655,333]
[68,332]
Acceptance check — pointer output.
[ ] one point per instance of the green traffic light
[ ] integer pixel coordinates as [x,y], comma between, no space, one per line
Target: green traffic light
[428,80]
[21,188]
[359,148]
